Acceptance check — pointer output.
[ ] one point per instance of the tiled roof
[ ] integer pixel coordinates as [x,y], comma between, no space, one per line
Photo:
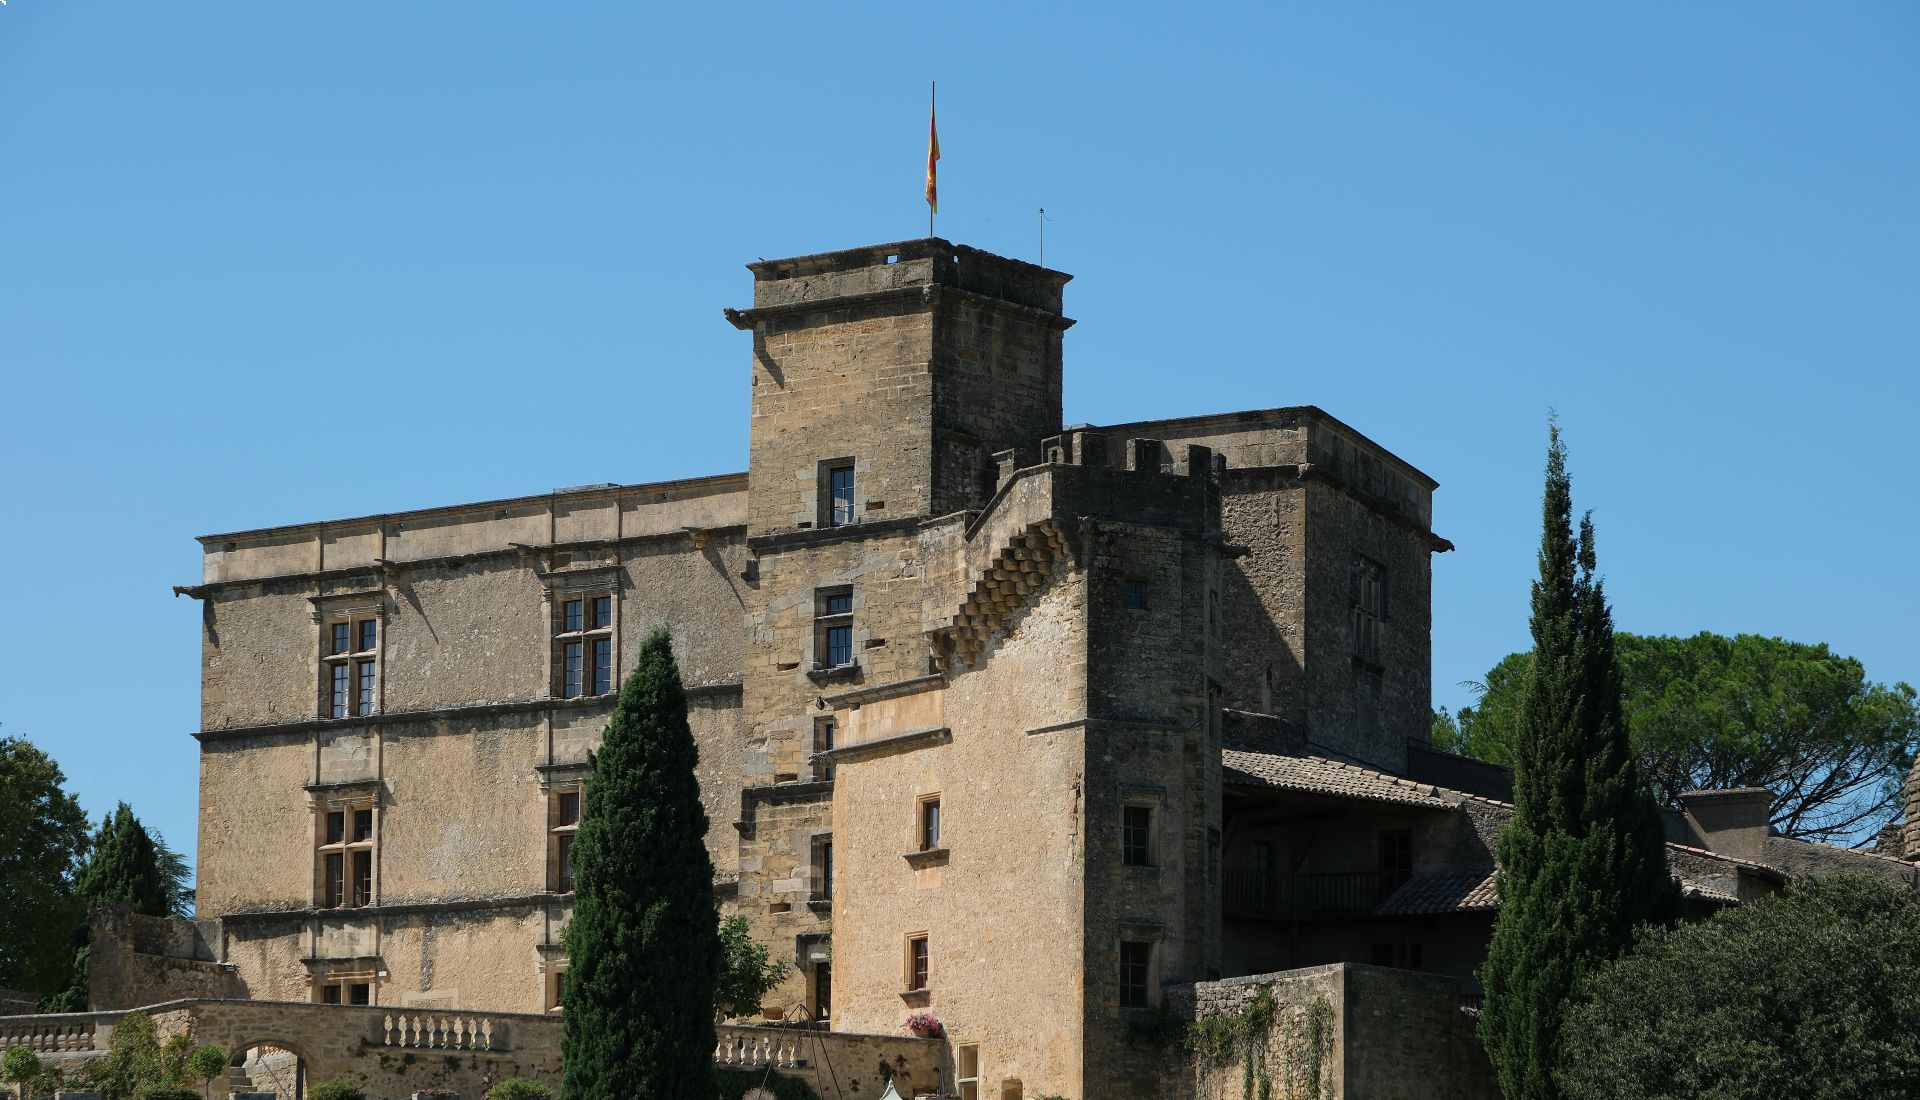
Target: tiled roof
[1706,892]
[1442,892]
[1319,775]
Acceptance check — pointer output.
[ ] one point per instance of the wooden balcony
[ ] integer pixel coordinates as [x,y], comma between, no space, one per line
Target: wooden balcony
[1274,895]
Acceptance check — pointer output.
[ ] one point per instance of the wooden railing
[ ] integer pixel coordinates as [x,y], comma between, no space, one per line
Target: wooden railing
[1307,896]
[752,1047]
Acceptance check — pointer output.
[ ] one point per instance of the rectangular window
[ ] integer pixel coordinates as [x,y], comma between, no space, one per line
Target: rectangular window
[360,993]
[837,505]
[1262,858]
[966,1072]
[929,824]
[822,742]
[823,991]
[823,868]
[350,667]
[350,991]
[1367,599]
[833,628]
[583,662]
[918,970]
[563,824]
[344,856]
[1396,850]
[337,705]
[1136,836]
[364,698]
[1133,594]
[602,666]
[1135,958]
[559,996]
[330,994]
[362,879]
[336,876]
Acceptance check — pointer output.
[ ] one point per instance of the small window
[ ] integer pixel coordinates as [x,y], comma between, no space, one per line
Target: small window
[823,991]
[1367,600]
[833,628]
[918,970]
[351,991]
[1396,850]
[1136,836]
[929,824]
[823,868]
[1133,594]
[822,743]
[1262,856]
[967,1072]
[1135,957]
[563,825]
[330,994]
[583,662]
[557,997]
[837,493]
[1382,954]
[336,827]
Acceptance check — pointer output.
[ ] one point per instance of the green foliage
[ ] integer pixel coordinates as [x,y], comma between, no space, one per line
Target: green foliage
[1584,860]
[1217,1040]
[43,834]
[137,1062]
[643,944]
[520,1088]
[734,1083]
[126,864]
[340,1088]
[169,1094]
[1745,711]
[205,1063]
[746,971]
[20,1066]
[1810,994]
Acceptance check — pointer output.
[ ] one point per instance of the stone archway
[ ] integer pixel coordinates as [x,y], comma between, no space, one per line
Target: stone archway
[270,1065]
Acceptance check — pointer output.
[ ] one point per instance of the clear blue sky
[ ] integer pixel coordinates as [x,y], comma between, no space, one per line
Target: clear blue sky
[266,263]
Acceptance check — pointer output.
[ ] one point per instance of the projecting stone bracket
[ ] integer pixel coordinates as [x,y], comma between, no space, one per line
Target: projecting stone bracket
[1014,578]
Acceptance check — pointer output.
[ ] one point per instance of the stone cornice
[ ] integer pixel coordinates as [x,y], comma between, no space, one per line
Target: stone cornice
[927,294]
[863,695]
[389,570]
[432,714]
[898,742]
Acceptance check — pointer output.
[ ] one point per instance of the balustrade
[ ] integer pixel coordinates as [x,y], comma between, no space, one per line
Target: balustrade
[49,1034]
[752,1047]
[437,1031]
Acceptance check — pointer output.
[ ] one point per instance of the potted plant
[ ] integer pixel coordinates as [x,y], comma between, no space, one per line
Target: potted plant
[925,1025]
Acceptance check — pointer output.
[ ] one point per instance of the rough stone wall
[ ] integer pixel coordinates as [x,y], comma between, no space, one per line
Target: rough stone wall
[140,960]
[1339,528]
[1265,593]
[997,386]
[1339,1032]
[1001,909]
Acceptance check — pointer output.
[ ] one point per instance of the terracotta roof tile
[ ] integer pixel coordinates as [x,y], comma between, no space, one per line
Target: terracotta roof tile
[1442,892]
[1319,775]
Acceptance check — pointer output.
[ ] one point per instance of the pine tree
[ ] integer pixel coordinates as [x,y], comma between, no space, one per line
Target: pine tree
[643,942]
[1584,861]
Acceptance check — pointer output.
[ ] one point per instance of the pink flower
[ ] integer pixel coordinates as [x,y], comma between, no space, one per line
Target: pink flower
[925,1025]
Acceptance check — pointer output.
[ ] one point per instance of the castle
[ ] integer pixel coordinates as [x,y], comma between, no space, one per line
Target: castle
[1042,729]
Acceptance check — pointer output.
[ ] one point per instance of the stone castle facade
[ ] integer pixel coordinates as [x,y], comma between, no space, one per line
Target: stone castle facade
[958,674]
[1030,726]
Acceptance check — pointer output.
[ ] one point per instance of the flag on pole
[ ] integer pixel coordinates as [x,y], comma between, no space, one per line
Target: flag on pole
[933,158]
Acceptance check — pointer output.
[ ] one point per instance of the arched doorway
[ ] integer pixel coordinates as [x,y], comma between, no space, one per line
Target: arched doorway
[267,1066]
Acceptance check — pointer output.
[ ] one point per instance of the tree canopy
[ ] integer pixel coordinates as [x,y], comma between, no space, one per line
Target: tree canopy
[1583,862]
[643,944]
[125,864]
[43,833]
[1810,994]
[1711,711]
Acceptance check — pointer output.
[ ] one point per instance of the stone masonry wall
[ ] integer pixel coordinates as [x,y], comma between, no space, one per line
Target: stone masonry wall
[1338,1032]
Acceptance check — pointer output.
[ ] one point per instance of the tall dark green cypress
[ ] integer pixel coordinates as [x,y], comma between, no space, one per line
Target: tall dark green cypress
[125,864]
[1584,861]
[643,945]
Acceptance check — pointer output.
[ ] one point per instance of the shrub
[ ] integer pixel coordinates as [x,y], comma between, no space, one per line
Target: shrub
[520,1088]
[19,1065]
[169,1094]
[340,1088]
[733,1083]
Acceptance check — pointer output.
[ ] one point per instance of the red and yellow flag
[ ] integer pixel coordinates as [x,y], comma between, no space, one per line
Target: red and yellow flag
[933,159]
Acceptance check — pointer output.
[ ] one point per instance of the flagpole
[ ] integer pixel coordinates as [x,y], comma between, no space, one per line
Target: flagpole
[933,98]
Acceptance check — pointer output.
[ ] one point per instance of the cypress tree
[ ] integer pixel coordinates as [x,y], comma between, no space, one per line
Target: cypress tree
[125,863]
[643,944]
[1584,861]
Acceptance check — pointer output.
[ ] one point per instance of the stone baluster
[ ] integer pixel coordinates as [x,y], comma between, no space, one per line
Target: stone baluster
[486,1030]
[387,1030]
